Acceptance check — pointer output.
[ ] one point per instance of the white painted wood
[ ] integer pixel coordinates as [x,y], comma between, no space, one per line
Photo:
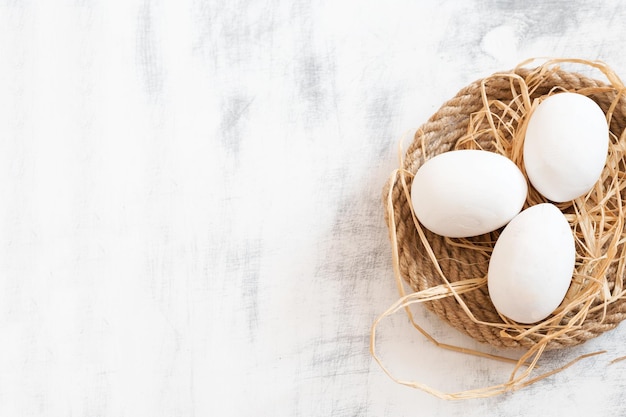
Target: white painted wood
[191,218]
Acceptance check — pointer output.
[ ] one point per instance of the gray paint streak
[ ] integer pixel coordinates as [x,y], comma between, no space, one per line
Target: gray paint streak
[149,63]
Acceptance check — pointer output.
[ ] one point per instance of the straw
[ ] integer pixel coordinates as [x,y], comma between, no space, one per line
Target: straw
[448,275]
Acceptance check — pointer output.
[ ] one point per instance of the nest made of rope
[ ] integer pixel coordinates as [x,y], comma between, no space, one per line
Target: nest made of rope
[450,275]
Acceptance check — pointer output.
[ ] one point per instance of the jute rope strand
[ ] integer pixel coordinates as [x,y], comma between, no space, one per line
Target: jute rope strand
[449,275]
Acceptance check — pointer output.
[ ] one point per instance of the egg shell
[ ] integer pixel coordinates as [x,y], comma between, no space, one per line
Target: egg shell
[565,146]
[467,192]
[532,263]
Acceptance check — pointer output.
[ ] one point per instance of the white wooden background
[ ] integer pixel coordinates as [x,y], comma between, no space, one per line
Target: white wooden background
[190,203]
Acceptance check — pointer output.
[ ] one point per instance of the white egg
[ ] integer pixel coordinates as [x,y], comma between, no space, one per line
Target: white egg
[566,146]
[467,193]
[531,265]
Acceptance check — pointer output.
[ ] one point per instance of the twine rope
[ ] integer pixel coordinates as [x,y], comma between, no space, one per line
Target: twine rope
[448,275]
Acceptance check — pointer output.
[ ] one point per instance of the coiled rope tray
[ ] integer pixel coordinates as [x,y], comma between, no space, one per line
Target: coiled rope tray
[449,275]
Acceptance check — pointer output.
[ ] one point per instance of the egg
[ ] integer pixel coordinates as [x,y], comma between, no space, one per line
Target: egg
[467,192]
[565,146]
[532,263]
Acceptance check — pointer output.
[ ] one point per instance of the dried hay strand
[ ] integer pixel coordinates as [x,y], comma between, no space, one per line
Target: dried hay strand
[449,276]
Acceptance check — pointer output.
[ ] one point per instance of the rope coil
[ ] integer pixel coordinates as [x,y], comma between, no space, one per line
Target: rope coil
[449,275]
